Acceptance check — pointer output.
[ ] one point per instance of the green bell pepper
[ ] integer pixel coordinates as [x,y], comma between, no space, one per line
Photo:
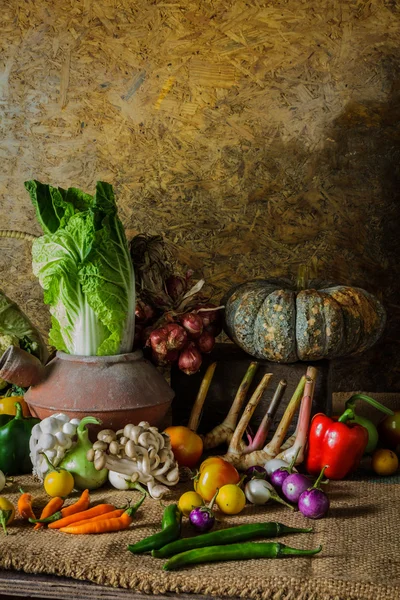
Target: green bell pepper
[14,442]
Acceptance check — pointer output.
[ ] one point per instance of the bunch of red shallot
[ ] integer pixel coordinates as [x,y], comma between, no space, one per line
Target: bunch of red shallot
[180,338]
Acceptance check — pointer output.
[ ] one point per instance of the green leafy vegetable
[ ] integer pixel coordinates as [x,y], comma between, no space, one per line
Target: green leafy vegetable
[83,264]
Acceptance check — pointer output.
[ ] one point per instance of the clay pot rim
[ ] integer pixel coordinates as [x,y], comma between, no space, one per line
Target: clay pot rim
[114,358]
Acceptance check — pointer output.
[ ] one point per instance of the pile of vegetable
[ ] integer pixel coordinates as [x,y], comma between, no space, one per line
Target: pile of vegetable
[175,321]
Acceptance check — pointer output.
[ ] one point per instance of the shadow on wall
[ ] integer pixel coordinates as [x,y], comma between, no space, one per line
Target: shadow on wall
[366,159]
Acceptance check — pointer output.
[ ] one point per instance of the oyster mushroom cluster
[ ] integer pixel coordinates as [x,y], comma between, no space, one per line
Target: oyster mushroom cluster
[139,453]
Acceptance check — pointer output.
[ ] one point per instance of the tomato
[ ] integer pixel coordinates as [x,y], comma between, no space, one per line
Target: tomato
[231,499]
[384,462]
[188,501]
[213,476]
[59,483]
[211,460]
[7,513]
[186,445]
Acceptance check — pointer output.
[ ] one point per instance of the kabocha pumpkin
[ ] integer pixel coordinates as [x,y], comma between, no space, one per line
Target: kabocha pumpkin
[282,325]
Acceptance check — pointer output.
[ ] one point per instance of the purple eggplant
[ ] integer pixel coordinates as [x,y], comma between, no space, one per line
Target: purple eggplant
[313,502]
[294,486]
[202,517]
[282,473]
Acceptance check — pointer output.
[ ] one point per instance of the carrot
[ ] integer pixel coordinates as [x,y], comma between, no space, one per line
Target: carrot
[106,525]
[51,507]
[109,515]
[78,506]
[100,509]
[25,505]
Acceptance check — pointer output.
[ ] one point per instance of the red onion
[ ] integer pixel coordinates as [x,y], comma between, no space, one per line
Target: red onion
[177,336]
[176,287]
[172,356]
[144,312]
[212,319]
[193,324]
[190,359]
[205,342]
[158,340]
[159,358]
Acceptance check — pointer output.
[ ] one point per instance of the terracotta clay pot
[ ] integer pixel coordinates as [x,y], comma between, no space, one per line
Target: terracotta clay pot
[119,389]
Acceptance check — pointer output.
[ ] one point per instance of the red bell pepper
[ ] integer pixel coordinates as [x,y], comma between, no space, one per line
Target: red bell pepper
[338,446]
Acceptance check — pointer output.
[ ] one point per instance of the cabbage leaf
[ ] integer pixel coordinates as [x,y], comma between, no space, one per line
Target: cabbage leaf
[83,264]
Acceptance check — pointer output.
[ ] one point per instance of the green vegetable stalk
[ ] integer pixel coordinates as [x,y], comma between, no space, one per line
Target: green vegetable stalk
[75,461]
[84,266]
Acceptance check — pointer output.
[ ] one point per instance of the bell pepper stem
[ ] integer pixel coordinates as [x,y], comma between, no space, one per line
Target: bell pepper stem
[350,405]
[18,411]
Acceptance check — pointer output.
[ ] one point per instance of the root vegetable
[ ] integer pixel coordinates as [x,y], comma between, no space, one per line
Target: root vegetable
[177,337]
[206,342]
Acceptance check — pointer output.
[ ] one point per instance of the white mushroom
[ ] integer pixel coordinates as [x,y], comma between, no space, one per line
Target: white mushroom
[144,455]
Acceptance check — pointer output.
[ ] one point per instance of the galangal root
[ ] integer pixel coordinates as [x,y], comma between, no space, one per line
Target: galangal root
[231,432]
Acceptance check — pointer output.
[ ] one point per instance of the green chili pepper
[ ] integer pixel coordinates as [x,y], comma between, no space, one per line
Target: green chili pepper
[235,552]
[240,533]
[171,529]
[350,415]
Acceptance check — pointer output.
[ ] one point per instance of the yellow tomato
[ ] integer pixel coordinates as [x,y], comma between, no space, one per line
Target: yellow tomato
[186,445]
[213,476]
[7,405]
[211,460]
[188,501]
[384,462]
[7,513]
[59,483]
[231,499]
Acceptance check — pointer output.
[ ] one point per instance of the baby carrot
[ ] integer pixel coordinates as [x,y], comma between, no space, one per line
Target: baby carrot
[78,506]
[100,509]
[106,525]
[25,505]
[51,507]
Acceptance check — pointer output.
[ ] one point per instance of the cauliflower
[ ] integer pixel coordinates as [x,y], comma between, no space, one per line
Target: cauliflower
[6,340]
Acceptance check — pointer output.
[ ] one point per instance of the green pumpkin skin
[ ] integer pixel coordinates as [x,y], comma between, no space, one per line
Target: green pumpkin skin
[284,326]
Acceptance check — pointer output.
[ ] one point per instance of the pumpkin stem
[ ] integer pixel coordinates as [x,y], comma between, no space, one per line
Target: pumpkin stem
[303,276]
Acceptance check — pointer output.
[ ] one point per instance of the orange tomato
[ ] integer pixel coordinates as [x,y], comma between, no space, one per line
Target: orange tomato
[213,476]
[186,445]
[7,405]
[211,460]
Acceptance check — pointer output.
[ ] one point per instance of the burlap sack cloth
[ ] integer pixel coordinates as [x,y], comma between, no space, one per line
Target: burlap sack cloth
[360,557]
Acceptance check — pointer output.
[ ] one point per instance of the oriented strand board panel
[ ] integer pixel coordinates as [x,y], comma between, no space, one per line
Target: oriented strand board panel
[254,135]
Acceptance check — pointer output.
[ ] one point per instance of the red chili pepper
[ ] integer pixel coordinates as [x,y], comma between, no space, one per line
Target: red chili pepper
[336,444]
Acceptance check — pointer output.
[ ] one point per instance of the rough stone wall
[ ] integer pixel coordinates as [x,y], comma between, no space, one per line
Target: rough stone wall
[255,136]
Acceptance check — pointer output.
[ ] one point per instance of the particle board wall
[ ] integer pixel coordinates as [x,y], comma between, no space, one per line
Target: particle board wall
[254,135]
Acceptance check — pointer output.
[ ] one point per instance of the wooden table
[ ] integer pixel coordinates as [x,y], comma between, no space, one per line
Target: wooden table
[14,585]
